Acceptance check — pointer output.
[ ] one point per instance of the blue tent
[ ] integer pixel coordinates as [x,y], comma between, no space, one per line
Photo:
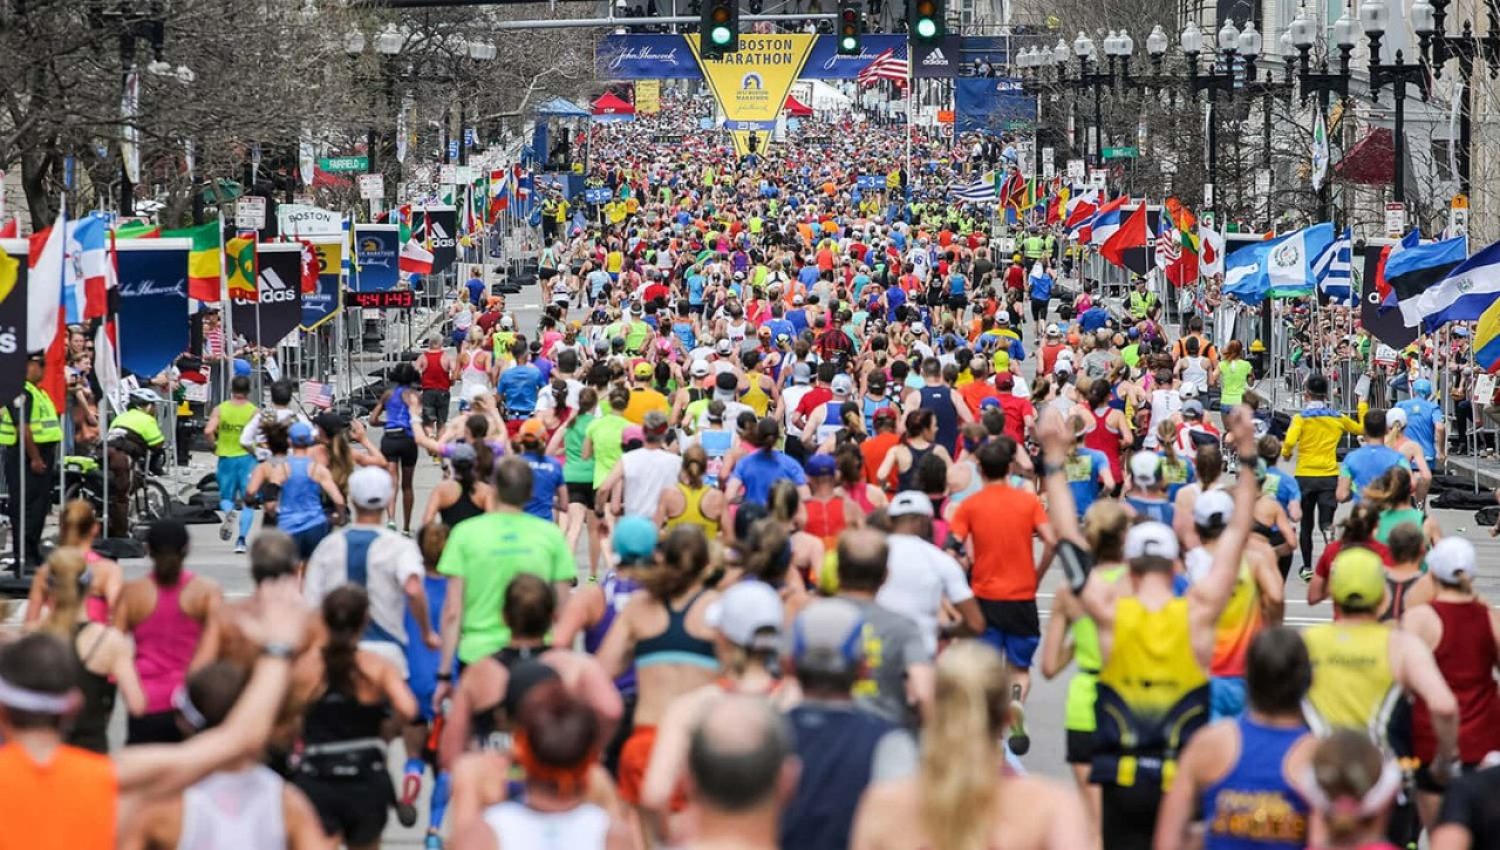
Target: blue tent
[559,107]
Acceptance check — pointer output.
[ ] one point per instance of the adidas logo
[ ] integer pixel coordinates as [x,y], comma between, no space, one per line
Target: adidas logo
[274,290]
[440,237]
[936,57]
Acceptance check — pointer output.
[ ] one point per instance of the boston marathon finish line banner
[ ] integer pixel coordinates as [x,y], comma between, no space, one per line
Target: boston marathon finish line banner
[634,56]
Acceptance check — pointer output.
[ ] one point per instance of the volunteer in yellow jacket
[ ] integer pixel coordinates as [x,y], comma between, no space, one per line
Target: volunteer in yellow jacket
[1315,434]
[1153,687]
[30,451]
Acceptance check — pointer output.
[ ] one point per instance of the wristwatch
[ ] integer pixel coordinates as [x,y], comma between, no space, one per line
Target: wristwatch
[1050,468]
[278,650]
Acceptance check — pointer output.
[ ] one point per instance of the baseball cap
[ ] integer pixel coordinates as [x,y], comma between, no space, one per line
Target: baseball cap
[1144,467]
[1421,388]
[910,503]
[1150,540]
[826,637]
[822,464]
[801,374]
[749,615]
[798,299]
[1395,416]
[1450,558]
[1062,367]
[301,434]
[842,385]
[370,488]
[460,453]
[1002,318]
[643,369]
[1212,509]
[724,347]
[1357,578]
[242,367]
[1192,409]
[994,401]
[884,413]
[634,539]
[700,369]
[632,434]
[532,428]
[654,423]
[1054,330]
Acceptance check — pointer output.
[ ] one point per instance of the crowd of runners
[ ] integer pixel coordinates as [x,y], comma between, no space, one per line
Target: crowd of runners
[739,545]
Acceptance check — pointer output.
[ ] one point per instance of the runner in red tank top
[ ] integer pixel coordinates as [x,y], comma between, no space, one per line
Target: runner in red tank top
[437,368]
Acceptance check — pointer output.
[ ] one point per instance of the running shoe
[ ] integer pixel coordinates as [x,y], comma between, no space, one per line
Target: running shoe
[239,546]
[1306,574]
[406,809]
[433,842]
[1019,741]
[226,528]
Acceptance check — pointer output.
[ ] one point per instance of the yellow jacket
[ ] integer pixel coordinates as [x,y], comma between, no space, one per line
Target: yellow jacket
[1315,434]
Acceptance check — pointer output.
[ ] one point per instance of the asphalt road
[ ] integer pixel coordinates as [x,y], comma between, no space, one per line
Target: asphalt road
[215,559]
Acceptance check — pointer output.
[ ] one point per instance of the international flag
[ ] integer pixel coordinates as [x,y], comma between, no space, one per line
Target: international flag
[415,259]
[1466,293]
[1414,270]
[44,306]
[1334,269]
[1168,243]
[1487,339]
[1210,251]
[1132,233]
[205,259]
[1280,267]
[137,229]
[1056,205]
[1079,215]
[885,66]
[317,394]
[310,266]
[1382,286]
[243,268]
[1319,152]
[11,229]
[979,192]
[87,269]
[1106,221]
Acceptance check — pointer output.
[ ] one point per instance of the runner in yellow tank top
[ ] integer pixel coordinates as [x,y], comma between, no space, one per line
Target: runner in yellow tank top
[1361,666]
[756,397]
[691,501]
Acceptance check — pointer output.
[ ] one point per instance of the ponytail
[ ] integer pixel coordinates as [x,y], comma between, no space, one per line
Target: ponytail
[694,464]
[67,582]
[76,524]
[345,611]
[961,755]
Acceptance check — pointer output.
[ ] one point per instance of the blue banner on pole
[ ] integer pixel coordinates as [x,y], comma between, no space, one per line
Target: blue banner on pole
[995,104]
[376,256]
[825,63]
[323,304]
[153,319]
[636,56]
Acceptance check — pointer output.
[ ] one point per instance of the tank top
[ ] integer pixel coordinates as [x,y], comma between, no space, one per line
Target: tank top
[463,508]
[434,376]
[1156,510]
[1078,706]
[1237,626]
[484,726]
[939,400]
[1105,439]
[1152,696]
[583,827]
[976,482]
[472,381]
[755,398]
[692,511]
[1466,657]
[736,333]
[825,518]
[164,645]
[91,724]
[32,793]
[868,406]
[675,644]
[300,506]
[617,591]
[233,417]
[1392,518]
[397,414]
[832,421]
[1352,684]
[1196,372]
[1253,807]
[238,810]
[1395,594]
[860,495]
[906,480]
[716,443]
[340,718]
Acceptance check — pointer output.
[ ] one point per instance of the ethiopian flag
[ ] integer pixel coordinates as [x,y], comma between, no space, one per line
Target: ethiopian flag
[240,253]
[204,264]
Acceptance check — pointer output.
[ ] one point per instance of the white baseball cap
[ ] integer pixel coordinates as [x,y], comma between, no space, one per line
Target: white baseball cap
[1450,558]
[1212,509]
[1151,539]
[749,615]
[910,503]
[1144,468]
[370,488]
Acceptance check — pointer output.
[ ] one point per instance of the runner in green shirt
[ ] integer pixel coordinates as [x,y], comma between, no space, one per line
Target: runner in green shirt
[602,438]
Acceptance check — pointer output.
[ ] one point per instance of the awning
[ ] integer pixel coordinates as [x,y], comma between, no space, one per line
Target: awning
[1372,160]
[559,107]
[796,108]
[611,104]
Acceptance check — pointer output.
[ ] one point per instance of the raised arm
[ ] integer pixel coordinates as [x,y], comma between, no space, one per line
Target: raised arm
[1213,590]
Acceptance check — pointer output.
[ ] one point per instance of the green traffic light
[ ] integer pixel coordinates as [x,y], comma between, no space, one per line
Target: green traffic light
[849,42]
[926,28]
[719,35]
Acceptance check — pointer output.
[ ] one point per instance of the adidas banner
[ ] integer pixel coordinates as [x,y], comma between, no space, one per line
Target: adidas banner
[935,61]
[12,318]
[279,285]
[152,323]
[436,229]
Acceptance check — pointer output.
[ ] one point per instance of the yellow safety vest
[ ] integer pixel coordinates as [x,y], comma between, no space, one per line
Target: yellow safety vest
[45,426]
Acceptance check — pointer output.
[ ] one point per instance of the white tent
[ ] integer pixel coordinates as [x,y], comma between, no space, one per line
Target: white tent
[826,98]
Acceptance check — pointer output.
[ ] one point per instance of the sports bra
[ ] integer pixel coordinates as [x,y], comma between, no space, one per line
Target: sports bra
[482,722]
[904,480]
[675,645]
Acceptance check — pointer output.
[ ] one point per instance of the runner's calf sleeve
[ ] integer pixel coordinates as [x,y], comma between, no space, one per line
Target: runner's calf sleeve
[442,789]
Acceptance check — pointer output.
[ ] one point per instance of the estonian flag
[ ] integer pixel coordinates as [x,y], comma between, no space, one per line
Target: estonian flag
[1414,270]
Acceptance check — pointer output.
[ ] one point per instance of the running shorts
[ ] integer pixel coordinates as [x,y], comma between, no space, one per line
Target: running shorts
[1080,747]
[581,493]
[634,757]
[399,447]
[1039,309]
[435,406]
[1013,627]
[233,477]
[356,808]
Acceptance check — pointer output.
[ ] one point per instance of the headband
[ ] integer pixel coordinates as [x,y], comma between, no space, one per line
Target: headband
[37,702]
[569,779]
[1373,801]
[184,705]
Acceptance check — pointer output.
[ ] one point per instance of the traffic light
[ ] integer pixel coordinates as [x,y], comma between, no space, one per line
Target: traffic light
[924,20]
[719,32]
[851,27]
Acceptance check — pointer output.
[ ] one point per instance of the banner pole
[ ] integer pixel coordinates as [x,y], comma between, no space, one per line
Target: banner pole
[62,484]
[23,471]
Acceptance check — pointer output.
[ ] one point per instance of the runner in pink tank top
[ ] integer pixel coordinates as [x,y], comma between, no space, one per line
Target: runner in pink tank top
[164,645]
[1106,439]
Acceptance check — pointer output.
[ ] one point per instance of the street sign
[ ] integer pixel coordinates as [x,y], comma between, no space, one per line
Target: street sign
[596,195]
[344,164]
[447,174]
[1098,178]
[371,186]
[870,181]
[1208,194]
[1122,153]
[471,138]
[250,213]
[453,148]
[1049,163]
[1076,170]
[1395,219]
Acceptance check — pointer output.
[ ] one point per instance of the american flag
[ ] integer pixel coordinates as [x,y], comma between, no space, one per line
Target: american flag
[885,66]
[317,394]
[1168,244]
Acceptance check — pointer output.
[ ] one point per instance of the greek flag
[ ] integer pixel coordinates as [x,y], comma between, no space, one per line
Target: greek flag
[1333,269]
[979,192]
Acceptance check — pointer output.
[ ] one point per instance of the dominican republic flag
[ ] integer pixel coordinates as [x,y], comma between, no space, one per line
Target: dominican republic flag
[1106,221]
[1334,269]
[415,259]
[1132,233]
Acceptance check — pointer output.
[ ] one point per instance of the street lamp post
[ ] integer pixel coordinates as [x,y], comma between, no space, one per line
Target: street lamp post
[1373,16]
[1212,82]
[1090,77]
[1429,21]
[1322,82]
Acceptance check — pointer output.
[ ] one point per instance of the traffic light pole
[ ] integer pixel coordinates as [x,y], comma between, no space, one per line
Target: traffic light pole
[642,23]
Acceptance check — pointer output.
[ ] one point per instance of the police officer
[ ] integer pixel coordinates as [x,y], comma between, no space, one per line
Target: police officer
[1141,300]
[30,452]
[1033,246]
[133,436]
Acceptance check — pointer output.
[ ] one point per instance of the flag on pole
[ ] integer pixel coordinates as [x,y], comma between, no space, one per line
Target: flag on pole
[205,263]
[1319,152]
[1383,289]
[44,282]
[1168,244]
[979,192]
[415,259]
[1487,339]
[1334,269]
[1414,270]
[11,229]
[243,268]
[310,266]
[885,66]
[317,394]
[1130,234]
[1106,221]
[1210,251]
[137,229]
[1465,294]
